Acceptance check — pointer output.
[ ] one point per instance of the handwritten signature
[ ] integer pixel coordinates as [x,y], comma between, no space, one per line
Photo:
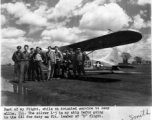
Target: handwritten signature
[142,113]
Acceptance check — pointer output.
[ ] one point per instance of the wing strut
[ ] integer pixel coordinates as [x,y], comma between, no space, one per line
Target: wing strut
[90,52]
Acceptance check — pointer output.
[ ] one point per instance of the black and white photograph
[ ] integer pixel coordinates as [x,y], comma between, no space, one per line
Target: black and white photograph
[76,53]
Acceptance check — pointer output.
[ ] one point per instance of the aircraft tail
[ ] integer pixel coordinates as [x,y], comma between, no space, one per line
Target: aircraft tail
[112,58]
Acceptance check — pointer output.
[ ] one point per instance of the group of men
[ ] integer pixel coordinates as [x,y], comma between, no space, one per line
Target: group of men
[30,65]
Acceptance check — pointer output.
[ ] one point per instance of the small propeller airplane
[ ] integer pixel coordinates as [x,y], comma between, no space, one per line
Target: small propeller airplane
[110,40]
[109,62]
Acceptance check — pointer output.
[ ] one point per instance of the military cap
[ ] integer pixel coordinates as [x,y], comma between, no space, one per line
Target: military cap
[49,47]
[37,47]
[26,46]
[31,48]
[19,47]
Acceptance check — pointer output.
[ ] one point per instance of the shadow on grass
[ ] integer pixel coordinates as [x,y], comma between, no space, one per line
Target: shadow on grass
[99,80]
[121,73]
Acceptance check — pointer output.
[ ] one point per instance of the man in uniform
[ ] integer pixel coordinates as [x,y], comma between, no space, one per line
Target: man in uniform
[31,65]
[72,63]
[17,60]
[24,64]
[71,56]
[66,63]
[75,63]
[80,57]
[59,58]
[51,61]
[38,65]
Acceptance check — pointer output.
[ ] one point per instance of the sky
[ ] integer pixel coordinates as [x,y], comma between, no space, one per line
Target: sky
[61,22]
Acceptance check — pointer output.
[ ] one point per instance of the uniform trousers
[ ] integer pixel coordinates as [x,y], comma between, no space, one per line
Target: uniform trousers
[39,68]
[80,69]
[23,70]
[17,67]
[31,70]
[51,68]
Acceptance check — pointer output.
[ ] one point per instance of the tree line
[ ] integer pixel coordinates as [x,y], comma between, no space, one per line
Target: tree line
[137,59]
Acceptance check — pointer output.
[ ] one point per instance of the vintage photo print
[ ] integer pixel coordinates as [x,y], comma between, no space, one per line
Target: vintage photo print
[76,53]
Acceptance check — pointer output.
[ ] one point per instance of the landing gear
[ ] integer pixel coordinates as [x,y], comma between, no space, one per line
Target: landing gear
[115,68]
[112,72]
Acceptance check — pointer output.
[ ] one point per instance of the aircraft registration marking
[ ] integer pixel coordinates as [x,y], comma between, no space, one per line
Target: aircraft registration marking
[113,61]
[87,64]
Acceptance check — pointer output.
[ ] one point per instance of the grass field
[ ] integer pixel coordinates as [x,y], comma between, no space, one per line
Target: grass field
[125,89]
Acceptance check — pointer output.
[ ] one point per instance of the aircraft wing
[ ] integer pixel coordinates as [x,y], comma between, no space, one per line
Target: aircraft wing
[106,41]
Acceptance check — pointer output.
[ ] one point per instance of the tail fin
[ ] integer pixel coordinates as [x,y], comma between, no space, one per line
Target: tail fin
[112,58]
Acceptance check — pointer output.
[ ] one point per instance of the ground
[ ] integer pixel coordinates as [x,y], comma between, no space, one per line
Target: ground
[123,89]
